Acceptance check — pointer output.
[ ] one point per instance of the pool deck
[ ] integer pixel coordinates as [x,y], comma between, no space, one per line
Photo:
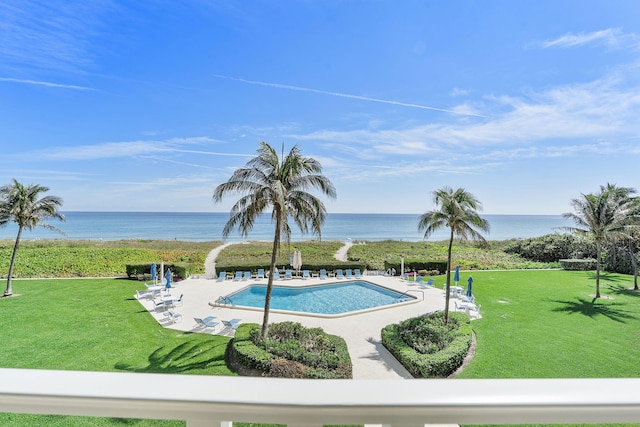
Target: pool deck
[361,331]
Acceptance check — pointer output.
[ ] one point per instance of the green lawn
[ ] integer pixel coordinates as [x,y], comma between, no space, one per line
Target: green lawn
[542,324]
[96,325]
[536,324]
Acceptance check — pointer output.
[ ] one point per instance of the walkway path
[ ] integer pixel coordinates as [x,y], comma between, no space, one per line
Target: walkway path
[210,262]
[341,254]
[370,359]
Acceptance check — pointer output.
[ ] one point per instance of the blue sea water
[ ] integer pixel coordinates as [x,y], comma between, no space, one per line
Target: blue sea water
[199,226]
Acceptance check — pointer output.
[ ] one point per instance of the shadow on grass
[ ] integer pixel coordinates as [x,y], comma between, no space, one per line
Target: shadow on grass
[181,359]
[593,308]
[605,277]
[623,290]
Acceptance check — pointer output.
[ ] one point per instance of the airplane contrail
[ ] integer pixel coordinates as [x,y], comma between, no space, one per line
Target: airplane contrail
[42,83]
[343,95]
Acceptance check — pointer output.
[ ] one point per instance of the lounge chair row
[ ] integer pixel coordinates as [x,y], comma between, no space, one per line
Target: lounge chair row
[288,274]
[212,322]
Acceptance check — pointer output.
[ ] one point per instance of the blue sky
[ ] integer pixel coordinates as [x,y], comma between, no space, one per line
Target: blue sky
[148,105]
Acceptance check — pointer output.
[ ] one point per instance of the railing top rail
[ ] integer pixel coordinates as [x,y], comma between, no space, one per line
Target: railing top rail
[397,402]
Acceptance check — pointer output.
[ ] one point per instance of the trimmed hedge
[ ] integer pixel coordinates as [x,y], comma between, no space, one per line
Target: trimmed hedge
[440,364]
[287,360]
[578,264]
[417,265]
[135,271]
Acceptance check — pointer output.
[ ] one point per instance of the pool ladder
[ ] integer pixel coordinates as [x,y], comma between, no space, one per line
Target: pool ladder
[224,301]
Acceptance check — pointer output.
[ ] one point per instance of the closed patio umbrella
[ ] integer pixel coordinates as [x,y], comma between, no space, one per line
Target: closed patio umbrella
[168,278]
[154,272]
[456,275]
[469,284]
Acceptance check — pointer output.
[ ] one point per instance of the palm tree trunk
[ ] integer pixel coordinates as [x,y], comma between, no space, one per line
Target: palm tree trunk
[634,263]
[598,261]
[267,299]
[448,281]
[9,290]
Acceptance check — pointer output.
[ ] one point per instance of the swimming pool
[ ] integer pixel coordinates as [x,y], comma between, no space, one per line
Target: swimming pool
[326,299]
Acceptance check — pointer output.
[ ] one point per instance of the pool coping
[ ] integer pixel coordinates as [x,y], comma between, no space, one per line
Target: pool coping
[414,299]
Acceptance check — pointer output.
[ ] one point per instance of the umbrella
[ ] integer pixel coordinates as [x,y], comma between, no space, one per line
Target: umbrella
[456,275]
[469,283]
[154,272]
[297,260]
[168,278]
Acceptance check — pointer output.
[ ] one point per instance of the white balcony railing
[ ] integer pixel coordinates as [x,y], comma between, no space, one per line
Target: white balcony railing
[213,401]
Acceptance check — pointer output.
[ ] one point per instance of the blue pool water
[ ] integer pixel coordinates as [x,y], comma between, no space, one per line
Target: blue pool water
[333,298]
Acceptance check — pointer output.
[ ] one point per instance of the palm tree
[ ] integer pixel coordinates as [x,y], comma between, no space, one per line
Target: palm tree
[281,185]
[610,213]
[22,204]
[457,210]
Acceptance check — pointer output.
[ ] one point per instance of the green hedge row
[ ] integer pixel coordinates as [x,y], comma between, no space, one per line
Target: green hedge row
[137,271]
[330,365]
[578,264]
[417,265]
[436,365]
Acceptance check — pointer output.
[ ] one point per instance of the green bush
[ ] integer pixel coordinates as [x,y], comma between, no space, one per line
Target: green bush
[578,264]
[291,351]
[429,359]
[142,271]
[417,265]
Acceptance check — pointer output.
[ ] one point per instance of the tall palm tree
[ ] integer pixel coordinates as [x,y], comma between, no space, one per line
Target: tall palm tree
[611,213]
[281,185]
[457,210]
[24,206]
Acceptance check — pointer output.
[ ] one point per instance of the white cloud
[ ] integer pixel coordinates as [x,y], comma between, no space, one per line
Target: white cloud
[605,108]
[130,148]
[612,38]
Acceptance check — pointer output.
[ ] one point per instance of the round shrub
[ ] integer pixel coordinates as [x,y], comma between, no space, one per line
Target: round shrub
[426,349]
[291,351]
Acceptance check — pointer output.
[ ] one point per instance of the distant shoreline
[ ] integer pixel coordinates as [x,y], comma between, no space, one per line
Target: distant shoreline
[208,227]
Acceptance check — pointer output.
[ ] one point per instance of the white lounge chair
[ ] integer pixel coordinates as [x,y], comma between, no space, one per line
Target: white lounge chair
[172,317]
[206,323]
[233,323]
[427,284]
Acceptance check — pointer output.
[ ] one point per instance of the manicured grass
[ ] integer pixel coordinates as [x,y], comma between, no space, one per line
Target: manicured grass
[545,324]
[96,325]
[536,324]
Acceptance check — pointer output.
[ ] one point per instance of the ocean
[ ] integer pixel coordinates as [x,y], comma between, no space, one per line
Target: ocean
[202,227]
